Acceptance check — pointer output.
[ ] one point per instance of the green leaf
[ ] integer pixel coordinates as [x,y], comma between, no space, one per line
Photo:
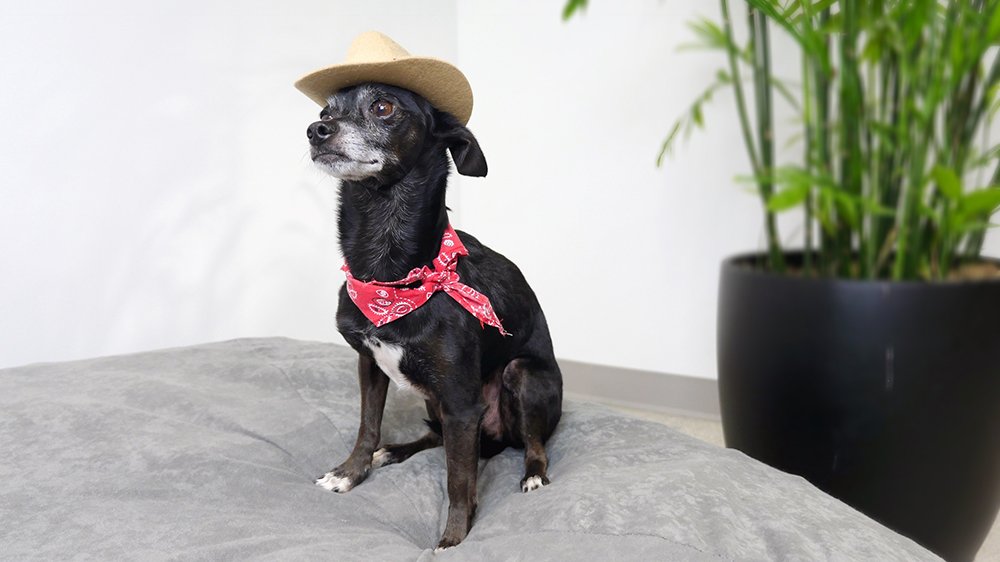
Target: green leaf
[989,155]
[847,206]
[985,201]
[814,7]
[992,100]
[572,7]
[994,28]
[694,118]
[794,139]
[977,226]
[792,8]
[790,197]
[825,213]
[873,207]
[811,43]
[947,182]
[795,174]
[872,50]
[667,144]
[926,211]
[710,33]
[786,93]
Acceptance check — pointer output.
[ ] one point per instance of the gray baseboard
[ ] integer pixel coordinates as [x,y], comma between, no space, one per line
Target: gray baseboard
[646,390]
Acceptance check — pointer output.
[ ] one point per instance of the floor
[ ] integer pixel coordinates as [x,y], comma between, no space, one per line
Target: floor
[711,431]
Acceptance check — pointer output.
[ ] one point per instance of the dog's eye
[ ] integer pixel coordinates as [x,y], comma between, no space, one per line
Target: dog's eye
[326,117]
[382,108]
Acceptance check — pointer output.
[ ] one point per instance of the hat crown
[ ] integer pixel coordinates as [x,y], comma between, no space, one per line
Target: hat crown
[374,57]
[373,46]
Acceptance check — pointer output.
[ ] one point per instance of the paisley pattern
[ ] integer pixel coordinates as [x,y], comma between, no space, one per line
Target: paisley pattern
[385,301]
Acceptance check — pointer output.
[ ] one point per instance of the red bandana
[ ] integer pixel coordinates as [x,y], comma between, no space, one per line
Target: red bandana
[382,302]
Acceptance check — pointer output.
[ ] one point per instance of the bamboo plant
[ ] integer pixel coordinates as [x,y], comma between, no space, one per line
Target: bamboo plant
[897,177]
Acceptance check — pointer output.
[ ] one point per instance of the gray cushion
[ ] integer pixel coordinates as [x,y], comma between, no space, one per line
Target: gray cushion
[209,452]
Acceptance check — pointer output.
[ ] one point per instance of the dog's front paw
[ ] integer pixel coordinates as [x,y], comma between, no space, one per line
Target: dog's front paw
[457,527]
[340,480]
[529,483]
[447,543]
[330,481]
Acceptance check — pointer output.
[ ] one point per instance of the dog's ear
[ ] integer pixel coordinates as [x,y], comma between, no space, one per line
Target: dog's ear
[465,151]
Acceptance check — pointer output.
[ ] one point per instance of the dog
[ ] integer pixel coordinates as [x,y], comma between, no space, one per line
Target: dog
[488,381]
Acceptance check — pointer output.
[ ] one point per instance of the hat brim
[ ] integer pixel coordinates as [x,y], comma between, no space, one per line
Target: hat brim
[436,80]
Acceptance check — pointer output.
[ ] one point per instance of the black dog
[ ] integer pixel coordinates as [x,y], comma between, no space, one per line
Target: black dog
[484,390]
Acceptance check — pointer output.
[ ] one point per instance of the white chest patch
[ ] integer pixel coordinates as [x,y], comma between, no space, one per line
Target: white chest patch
[388,357]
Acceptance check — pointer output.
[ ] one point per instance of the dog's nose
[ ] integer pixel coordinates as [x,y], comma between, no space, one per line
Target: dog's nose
[320,131]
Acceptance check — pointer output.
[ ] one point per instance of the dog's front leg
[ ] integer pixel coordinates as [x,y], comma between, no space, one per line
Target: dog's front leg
[374,385]
[461,448]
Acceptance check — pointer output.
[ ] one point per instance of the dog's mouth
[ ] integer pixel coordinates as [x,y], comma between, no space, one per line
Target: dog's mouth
[342,166]
[333,155]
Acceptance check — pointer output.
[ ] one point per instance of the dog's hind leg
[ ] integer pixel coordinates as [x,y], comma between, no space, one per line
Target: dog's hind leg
[534,391]
[399,452]
[393,454]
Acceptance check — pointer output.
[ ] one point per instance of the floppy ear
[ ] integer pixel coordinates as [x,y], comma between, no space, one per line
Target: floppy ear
[465,151]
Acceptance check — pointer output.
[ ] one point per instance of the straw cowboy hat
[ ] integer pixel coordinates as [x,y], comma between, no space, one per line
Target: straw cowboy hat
[373,57]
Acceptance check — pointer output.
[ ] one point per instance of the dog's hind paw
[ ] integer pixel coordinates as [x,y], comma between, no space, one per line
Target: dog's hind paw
[530,483]
[382,457]
[334,483]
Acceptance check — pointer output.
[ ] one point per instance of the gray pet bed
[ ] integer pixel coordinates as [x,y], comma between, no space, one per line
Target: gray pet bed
[209,452]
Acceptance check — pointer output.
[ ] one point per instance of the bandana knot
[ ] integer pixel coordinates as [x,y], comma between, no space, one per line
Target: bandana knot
[385,301]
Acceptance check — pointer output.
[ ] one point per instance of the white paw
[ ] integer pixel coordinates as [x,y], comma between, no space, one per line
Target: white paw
[381,457]
[334,483]
[532,483]
[441,549]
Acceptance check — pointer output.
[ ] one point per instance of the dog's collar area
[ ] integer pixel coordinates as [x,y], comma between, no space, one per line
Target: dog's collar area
[385,301]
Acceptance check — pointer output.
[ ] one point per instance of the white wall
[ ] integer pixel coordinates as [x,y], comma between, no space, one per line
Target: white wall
[624,256]
[155,185]
[155,188]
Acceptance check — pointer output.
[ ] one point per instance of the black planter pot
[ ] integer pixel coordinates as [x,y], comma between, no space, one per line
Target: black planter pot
[885,395]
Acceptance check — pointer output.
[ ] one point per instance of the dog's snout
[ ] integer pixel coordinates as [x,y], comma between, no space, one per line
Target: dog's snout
[320,131]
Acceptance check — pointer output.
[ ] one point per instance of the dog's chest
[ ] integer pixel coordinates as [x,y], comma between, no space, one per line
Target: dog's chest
[389,358]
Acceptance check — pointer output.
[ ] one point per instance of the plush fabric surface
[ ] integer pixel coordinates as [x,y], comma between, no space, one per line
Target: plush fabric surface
[209,452]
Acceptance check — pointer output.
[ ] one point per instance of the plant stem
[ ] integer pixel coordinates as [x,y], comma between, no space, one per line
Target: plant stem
[759,42]
[851,118]
[974,245]
[810,148]
[822,93]
[924,60]
[889,176]
[776,261]
[815,127]
[741,105]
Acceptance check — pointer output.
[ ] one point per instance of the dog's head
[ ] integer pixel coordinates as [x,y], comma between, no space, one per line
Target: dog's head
[375,131]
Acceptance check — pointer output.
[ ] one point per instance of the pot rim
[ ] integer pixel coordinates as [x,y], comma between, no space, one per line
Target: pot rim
[736,264]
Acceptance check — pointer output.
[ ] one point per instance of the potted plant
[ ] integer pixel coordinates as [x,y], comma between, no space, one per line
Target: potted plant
[868,359]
